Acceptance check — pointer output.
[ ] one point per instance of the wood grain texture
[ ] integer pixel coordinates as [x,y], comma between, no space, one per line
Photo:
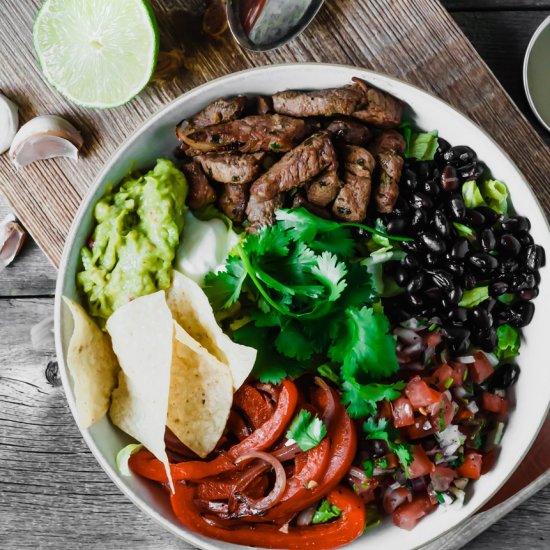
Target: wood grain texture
[495,5]
[417,40]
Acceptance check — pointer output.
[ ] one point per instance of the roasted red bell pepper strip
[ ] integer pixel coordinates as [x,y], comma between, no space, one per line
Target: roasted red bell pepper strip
[250,401]
[146,465]
[342,531]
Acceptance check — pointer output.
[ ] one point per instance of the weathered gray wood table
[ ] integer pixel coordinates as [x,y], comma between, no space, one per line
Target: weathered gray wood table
[52,492]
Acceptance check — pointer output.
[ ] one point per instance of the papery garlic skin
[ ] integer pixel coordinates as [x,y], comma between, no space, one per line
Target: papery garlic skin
[12,237]
[45,137]
[9,122]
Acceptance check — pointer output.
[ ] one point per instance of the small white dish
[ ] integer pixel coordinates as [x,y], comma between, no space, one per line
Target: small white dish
[536,73]
[155,138]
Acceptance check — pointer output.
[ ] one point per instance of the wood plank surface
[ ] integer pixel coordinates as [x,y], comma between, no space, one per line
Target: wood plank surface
[52,492]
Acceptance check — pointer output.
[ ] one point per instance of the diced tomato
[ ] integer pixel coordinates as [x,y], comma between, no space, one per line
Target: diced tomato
[471,468]
[422,427]
[459,368]
[421,464]
[442,478]
[433,339]
[463,413]
[408,514]
[440,378]
[480,369]
[442,413]
[493,403]
[384,410]
[488,461]
[420,394]
[393,498]
[403,414]
[392,460]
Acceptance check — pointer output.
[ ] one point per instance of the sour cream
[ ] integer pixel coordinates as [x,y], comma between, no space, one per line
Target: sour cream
[204,247]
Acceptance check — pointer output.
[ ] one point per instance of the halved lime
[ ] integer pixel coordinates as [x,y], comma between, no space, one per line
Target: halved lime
[97,53]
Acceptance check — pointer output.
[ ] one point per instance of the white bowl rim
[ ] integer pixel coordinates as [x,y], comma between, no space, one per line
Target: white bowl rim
[85,205]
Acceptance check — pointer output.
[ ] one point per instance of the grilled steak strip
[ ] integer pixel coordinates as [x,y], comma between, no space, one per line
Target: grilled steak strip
[264,105]
[381,109]
[350,132]
[201,193]
[251,134]
[261,212]
[333,101]
[232,167]
[221,110]
[324,188]
[389,140]
[233,201]
[352,200]
[300,201]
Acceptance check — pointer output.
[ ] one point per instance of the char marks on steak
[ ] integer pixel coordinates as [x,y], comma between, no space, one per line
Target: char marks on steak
[262,212]
[250,134]
[232,167]
[349,132]
[323,189]
[221,110]
[352,200]
[333,101]
[201,193]
[380,109]
[389,140]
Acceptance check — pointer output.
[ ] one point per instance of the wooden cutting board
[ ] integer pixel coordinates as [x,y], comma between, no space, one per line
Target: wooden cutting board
[415,40]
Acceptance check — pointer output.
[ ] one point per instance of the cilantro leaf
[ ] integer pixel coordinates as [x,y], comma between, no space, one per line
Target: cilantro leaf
[361,399]
[293,343]
[474,297]
[338,242]
[326,512]
[305,431]
[423,145]
[224,288]
[508,342]
[269,240]
[331,272]
[381,429]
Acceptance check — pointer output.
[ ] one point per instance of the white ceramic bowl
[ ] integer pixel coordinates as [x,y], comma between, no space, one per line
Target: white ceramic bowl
[156,138]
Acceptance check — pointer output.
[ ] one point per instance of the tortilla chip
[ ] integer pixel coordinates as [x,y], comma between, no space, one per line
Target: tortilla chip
[142,333]
[193,312]
[92,364]
[201,394]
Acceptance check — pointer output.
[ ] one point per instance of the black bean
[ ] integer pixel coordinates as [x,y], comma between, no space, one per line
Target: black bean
[430,188]
[431,259]
[509,246]
[419,218]
[515,224]
[456,267]
[481,318]
[471,171]
[409,246]
[525,238]
[460,248]
[475,218]
[487,340]
[432,242]
[401,276]
[443,147]
[508,266]
[458,339]
[410,261]
[424,169]
[442,278]
[460,155]
[449,179]
[457,207]
[442,224]
[401,208]
[458,315]
[489,304]
[409,179]
[487,239]
[433,294]
[483,261]
[470,280]
[498,288]
[416,300]
[504,315]
[522,281]
[397,226]
[529,294]
[535,257]
[456,295]
[421,200]
[537,277]
[504,376]
[416,283]
[524,312]
[490,215]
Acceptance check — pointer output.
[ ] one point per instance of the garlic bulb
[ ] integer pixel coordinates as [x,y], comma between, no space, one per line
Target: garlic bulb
[9,121]
[45,137]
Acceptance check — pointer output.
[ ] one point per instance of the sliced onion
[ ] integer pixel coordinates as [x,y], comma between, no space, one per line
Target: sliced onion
[247,478]
[407,335]
[412,324]
[395,486]
[467,359]
[330,409]
[183,135]
[491,357]
[472,407]
[287,452]
[278,488]
[428,354]
[414,350]
[305,517]
[461,482]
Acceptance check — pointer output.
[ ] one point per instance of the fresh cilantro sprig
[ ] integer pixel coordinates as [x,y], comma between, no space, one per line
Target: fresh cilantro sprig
[326,512]
[307,432]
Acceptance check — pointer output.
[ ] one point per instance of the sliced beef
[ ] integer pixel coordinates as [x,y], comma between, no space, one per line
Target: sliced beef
[264,105]
[201,193]
[232,167]
[333,101]
[221,110]
[380,109]
[324,188]
[389,140]
[300,201]
[391,165]
[233,201]
[261,212]
[353,199]
[249,135]
[350,132]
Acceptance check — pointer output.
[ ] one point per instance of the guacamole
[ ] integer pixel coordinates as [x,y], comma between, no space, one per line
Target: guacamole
[134,242]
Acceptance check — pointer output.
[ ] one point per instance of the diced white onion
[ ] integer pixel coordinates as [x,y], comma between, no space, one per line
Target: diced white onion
[408,335]
[491,357]
[395,486]
[461,482]
[467,359]
[472,407]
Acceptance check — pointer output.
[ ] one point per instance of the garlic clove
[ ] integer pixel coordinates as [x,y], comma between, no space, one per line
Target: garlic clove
[9,122]
[12,237]
[45,137]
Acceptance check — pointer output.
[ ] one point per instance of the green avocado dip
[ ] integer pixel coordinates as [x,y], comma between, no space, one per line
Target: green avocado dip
[134,242]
